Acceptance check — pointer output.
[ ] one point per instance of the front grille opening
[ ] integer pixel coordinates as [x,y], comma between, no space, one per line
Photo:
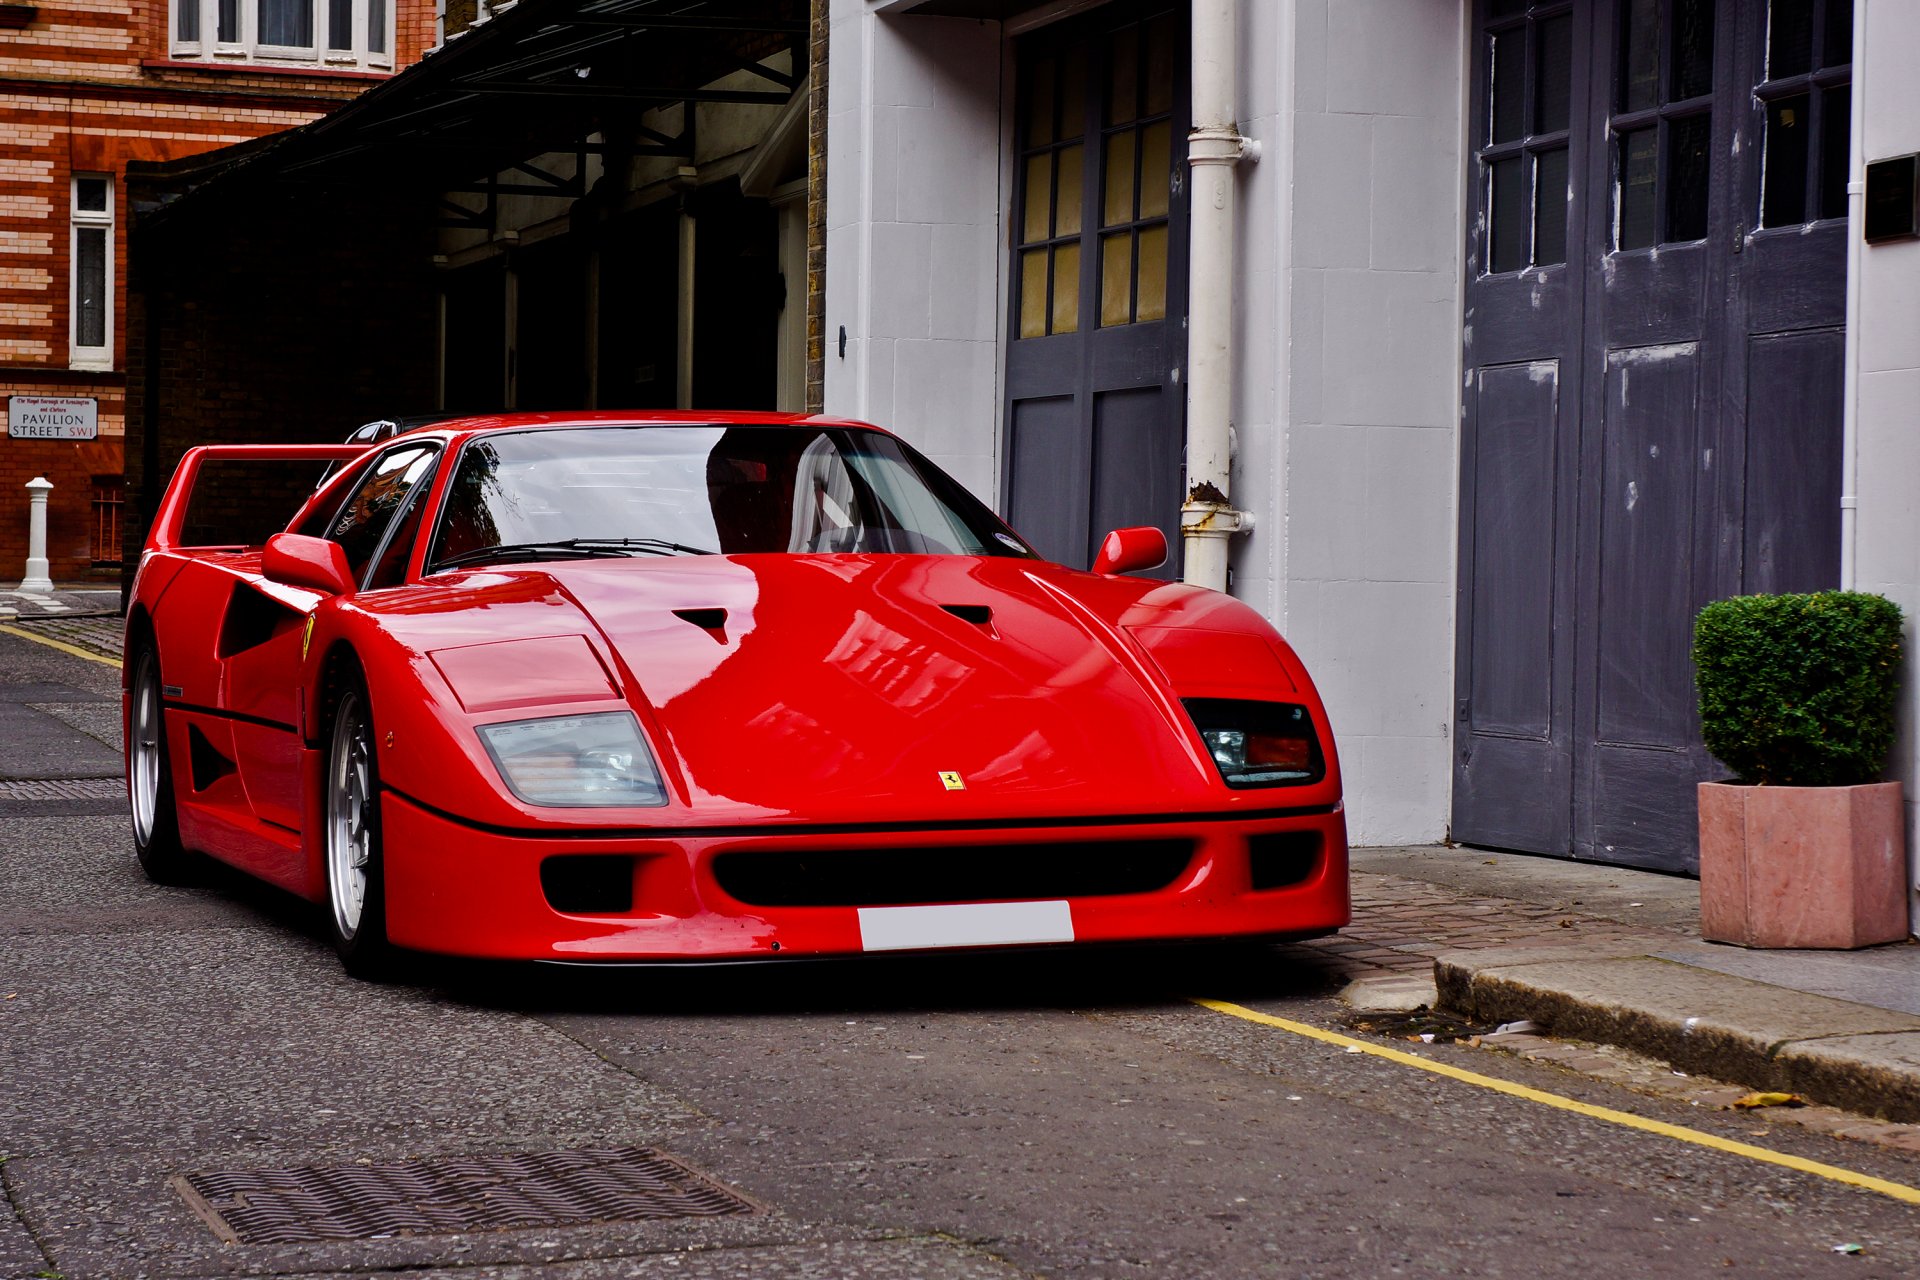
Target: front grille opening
[588,884]
[1283,858]
[950,873]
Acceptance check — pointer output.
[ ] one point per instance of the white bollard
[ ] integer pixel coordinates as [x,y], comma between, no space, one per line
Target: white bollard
[37,580]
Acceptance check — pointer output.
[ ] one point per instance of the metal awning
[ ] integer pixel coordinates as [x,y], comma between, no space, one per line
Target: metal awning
[542,76]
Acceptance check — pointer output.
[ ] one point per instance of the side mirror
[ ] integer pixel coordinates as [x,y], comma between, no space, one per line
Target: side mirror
[296,560]
[1127,550]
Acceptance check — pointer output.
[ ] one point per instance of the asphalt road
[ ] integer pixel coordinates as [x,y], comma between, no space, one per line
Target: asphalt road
[978,1116]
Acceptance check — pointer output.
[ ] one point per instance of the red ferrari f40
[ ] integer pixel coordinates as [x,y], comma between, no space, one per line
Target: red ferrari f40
[602,687]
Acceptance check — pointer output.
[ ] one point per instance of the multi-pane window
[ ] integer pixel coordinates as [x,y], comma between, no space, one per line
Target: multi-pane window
[1523,153]
[90,285]
[1098,167]
[1808,96]
[1662,121]
[353,34]
[1136,176]
[1054,156]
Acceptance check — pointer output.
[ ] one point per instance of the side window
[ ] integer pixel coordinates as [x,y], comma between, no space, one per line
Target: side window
[359,524]
[390,569]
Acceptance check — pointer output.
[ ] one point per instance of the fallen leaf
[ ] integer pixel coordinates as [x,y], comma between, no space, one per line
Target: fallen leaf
[1753,1100]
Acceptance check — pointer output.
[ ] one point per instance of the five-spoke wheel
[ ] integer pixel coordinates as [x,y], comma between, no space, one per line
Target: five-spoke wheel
[356,906]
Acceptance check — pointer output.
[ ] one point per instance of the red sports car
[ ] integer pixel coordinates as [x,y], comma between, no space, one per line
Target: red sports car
[616,687]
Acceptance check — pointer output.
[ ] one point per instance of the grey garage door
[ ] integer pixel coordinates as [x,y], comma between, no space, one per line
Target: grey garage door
[1653,395]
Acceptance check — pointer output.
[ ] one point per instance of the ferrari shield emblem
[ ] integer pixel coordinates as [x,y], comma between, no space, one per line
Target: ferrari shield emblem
[306,638]
[952,781]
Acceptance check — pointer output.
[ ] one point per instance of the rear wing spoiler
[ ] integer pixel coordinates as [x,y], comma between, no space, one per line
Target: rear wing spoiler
[169,523]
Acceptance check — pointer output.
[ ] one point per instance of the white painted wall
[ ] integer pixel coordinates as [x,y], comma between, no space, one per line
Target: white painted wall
[913,232]
[1888,555]
[1349,397]
[1347,302]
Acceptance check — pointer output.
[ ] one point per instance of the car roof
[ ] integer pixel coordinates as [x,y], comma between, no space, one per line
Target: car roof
[481,424]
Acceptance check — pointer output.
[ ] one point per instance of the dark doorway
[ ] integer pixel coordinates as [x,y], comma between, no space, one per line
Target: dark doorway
[1652,414]
[1095,407]
[474,357]
[737,298]
[550,328]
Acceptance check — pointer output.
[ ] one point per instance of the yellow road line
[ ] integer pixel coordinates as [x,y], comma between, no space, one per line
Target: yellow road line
[1627,1119]
[62,646]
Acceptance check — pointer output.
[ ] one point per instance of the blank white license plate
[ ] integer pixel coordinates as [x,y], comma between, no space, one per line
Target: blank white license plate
[970,924]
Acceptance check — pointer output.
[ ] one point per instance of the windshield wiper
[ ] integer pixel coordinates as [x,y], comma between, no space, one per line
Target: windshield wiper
[659,546]
[584,548]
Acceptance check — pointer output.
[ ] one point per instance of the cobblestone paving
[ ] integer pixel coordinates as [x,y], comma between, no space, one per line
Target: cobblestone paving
[96,633]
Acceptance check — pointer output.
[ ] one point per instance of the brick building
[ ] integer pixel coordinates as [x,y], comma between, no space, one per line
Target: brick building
[87,86]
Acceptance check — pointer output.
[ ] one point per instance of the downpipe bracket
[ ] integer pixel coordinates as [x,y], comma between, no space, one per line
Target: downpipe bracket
[1213,520]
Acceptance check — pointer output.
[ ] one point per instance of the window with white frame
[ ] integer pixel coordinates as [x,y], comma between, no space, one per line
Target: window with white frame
[91,284]
[353,35]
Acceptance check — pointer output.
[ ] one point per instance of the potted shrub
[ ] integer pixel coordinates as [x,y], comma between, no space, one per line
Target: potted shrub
[1807,847]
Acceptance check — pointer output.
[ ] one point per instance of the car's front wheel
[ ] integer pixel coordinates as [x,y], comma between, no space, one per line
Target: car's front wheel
[356,898]
[156,823]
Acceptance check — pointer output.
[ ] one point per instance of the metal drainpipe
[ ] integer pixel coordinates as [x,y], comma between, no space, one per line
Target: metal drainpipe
[1208,518]
[1850,396]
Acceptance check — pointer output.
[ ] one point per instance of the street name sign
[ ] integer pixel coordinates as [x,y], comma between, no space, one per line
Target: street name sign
[53,417]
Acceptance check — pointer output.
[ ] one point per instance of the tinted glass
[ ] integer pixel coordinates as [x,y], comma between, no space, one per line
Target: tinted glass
[1640,55]
[1836,106]
[1692,48]
[1688,177]
[363,520]
[1837,47]
[1639,214]
[1509,89]
[1512,200]
[1550,218]
[1783,196]
[688,489]
[1553,79]
[1789,38]
[90,291]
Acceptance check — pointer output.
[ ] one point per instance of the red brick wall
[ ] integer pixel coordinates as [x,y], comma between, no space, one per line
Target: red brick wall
[86,89]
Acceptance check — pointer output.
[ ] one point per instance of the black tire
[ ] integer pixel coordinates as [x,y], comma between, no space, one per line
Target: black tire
[150,798]
[356,905]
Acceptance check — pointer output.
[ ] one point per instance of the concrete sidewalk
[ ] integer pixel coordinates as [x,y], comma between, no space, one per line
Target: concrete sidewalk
[1614,956]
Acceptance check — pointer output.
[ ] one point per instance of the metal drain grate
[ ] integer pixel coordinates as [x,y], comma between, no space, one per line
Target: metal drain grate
[63,789]
[477,1193]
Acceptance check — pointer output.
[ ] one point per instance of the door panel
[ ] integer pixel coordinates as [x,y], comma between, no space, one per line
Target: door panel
[1644,623]
[1794,384]
[1049,466]
[1133,466]
[1513,550]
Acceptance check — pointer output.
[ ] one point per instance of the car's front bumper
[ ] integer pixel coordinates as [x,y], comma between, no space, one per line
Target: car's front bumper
[459,890]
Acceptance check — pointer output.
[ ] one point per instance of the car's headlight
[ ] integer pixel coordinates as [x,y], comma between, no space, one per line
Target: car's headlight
[576,760]
[1258,744]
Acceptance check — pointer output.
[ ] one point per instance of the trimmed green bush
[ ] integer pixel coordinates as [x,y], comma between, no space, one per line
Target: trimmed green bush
[1799,690]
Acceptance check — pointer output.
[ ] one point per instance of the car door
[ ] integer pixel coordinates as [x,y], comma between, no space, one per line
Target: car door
[264,636]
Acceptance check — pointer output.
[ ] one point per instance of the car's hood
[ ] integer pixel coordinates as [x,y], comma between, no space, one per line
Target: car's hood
[891,688]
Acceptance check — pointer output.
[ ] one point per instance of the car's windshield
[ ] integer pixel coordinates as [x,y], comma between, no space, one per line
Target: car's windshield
[674,490]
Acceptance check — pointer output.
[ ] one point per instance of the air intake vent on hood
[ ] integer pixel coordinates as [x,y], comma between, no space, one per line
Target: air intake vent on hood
[978,614]
[709,620]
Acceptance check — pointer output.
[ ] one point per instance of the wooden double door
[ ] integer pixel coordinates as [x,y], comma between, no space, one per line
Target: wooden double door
[1653,338]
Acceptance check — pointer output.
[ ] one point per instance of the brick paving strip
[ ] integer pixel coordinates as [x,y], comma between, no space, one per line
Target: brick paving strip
[1400,924]
[101,633]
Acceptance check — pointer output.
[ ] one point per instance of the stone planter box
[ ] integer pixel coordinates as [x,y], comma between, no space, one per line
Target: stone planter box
[1784,867]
